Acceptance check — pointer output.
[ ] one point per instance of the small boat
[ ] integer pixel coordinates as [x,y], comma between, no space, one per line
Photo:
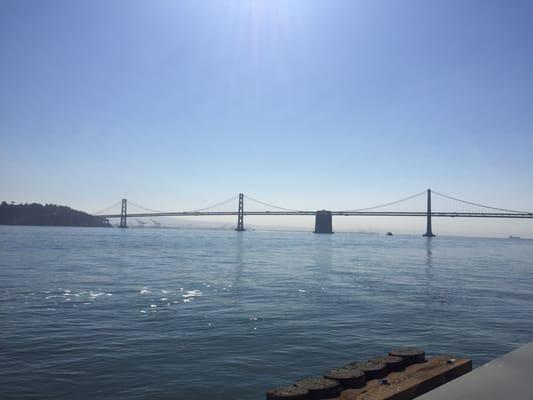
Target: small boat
[514,237]
[389,234]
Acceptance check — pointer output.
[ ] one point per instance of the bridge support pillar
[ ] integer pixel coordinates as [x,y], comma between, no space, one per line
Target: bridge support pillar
[124,214]
[429,231]
[323,222]
[240,214]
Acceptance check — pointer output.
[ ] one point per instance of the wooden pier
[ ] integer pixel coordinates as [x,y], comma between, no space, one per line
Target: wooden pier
[403,374]
[509,377]
[417,379]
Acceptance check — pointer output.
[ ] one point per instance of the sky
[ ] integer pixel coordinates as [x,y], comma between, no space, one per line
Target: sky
[312,104]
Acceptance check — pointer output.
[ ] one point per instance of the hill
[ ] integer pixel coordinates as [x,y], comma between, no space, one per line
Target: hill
[49,214]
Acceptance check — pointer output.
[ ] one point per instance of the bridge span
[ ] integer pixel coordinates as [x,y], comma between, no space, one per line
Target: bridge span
[323,218]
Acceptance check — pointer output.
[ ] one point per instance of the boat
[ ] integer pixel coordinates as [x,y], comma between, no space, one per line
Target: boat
[389,234]
[514,237]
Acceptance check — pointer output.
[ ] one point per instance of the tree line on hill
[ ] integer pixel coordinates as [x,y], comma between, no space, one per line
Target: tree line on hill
[48,214]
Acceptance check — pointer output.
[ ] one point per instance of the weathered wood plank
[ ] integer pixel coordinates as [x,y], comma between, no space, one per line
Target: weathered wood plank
[509,377]
[414,381]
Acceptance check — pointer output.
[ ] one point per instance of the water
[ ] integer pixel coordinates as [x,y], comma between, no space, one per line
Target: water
[159,314]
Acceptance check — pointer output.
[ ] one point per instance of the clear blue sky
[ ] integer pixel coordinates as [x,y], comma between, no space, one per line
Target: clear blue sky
[308,104]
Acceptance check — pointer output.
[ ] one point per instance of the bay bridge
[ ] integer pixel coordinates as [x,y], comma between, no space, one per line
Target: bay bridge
[324,218]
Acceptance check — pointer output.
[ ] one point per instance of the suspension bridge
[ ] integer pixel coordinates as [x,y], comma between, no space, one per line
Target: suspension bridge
[449,206]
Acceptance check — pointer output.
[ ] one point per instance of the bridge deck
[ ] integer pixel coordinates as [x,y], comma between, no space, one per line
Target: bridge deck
[337,213]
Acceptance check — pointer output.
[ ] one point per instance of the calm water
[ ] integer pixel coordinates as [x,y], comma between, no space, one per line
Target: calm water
[161,314]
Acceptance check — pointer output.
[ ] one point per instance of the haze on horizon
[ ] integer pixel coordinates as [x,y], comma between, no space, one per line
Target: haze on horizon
[307,104]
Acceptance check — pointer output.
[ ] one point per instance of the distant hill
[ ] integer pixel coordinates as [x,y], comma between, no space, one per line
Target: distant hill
[49,214]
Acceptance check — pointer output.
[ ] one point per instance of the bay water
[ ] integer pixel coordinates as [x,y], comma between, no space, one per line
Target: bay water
[103,313]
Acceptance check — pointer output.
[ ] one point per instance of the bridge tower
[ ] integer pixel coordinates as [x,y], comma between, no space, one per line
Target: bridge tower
[123,214]
[429,232]
[240,214]
[323,222]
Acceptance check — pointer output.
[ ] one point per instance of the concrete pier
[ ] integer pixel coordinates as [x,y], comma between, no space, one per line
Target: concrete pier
[509,377]
[323,222]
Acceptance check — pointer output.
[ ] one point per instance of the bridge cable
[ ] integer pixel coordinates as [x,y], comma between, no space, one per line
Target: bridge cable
[214,205]
[271,205]
[145,208]
[193,211]
[479,205]
[107,208]
[388,204]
